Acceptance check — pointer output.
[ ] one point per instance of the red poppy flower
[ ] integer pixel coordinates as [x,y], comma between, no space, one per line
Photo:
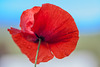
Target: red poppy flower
[53,25]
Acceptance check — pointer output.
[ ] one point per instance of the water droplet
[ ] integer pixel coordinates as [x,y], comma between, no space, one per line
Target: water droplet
[29,47]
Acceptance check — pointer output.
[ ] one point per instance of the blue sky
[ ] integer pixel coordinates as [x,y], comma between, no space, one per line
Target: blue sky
[85,12]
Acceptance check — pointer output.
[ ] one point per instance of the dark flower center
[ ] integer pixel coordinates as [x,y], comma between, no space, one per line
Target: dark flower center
[41,37]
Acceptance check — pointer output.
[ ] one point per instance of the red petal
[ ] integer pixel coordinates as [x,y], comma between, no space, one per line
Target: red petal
[44,54]
[64,48]
[54,23]
[58,28]
[27,19]
[14,31]
[30,48]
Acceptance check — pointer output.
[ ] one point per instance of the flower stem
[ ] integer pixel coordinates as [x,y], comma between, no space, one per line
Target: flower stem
[37,52]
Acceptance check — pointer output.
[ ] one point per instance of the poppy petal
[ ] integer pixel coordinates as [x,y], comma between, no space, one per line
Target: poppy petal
[30,48]
[27,19]
[64,48]
[58,28]
[44,54]
[53,23]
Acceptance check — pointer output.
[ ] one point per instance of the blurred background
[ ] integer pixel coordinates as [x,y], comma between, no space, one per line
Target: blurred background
[87,17]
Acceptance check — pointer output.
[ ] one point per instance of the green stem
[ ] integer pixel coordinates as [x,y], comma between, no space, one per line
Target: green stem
[37,52]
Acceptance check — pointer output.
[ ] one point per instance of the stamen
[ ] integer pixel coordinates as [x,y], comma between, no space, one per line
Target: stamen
[39,37]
